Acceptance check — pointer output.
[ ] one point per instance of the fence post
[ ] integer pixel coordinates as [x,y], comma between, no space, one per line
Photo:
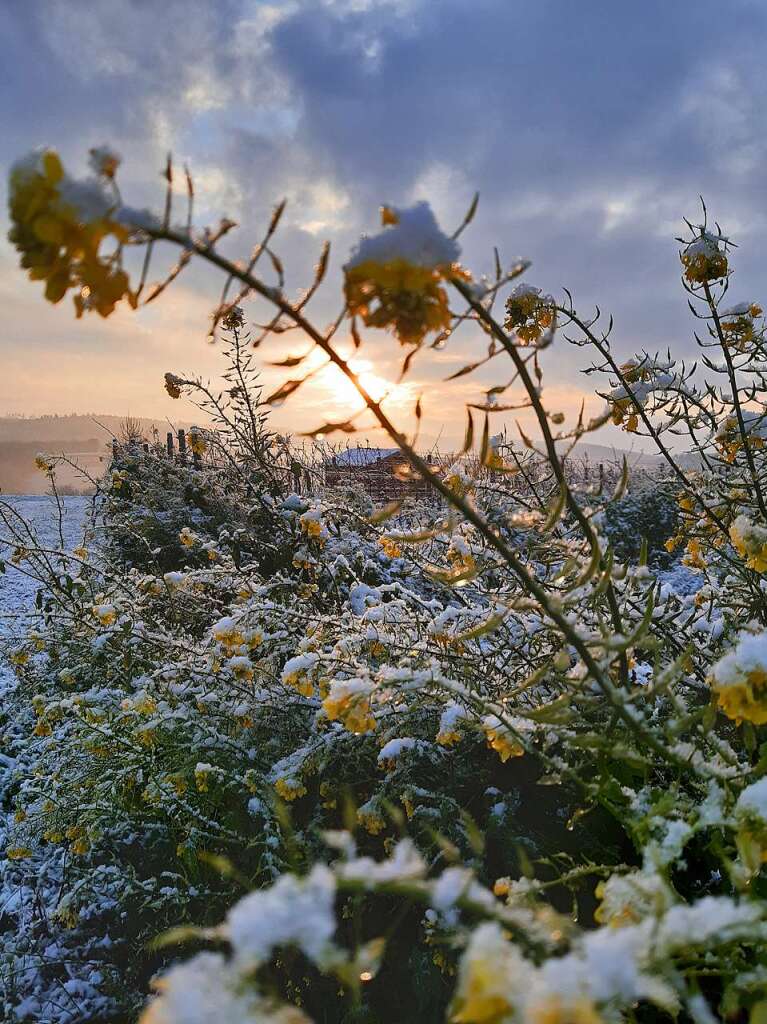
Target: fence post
[169,444]
[196,457]
[182,445]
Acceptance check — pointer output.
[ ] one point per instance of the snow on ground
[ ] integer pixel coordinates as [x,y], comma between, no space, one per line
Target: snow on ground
[17,591]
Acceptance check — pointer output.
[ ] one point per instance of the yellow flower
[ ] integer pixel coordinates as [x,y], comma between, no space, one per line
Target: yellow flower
[500,739]
[187,537]
[739,680]
[390,547]
[395,280]
[738,324]
[17,852]
[228,633]
[197,443]
[750,541]
[42,464]
[141,703]
[529,313]
[299,680]
[348,701]
[58,226]
[19,658]
[290,789]
[104,161]
[491,974]
[703,259]
[627,899]
[554,1009]
[448,737]
[371,819]
[105,613]
[241,667]
[312,525]
[409,300]
[173,385]
[694,556]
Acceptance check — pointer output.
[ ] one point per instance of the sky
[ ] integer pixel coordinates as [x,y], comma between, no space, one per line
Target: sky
[589,128]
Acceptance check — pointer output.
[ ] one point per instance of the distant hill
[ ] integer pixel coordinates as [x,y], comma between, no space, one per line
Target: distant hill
[85,439]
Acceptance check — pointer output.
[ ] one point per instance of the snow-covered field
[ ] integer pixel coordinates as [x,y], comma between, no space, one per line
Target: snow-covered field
[17,591]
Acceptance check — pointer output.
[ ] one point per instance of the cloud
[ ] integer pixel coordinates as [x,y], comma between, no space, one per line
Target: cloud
[589,130]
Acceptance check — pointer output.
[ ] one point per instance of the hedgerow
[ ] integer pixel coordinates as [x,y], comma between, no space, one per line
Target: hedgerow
[473,756]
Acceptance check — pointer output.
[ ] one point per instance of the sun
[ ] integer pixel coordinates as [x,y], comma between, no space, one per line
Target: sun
[345,393]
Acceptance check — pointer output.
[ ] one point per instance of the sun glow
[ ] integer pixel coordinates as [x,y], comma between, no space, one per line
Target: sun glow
[345,393]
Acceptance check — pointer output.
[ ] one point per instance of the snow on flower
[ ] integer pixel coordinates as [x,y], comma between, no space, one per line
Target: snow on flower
[405,864]
[750,541]
[529,312]
[206,989]
[348,701]
[739,679]
[293,912]
[395,279]
[704,258]
[59,224]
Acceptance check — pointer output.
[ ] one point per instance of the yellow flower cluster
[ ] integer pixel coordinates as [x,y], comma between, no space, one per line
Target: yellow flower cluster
[529,313]
[290,789]
[173,385]
[59,225]
[371,819]
[399,295]
[119,477]
[739,680]
[738,325]
[228,634]
[311,524]
[396,279]
[500,739]
[197,442]
[627,899]
[390,546]
[703,259]
[729,439]
[105,613]
[694,554]
[349,702]
[750,541]
[485,994]
[17,852]
[555,1010]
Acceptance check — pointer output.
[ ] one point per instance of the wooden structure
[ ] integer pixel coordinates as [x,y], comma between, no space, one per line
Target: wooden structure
[383,473]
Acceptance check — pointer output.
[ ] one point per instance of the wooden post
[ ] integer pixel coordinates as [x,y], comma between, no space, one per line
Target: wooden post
[169,444]
[196,457]
[182,445]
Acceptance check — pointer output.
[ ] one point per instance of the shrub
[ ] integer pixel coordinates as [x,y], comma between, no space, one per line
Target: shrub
[459,756]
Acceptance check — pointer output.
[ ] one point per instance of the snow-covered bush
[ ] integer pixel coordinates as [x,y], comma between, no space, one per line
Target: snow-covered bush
[460,757]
